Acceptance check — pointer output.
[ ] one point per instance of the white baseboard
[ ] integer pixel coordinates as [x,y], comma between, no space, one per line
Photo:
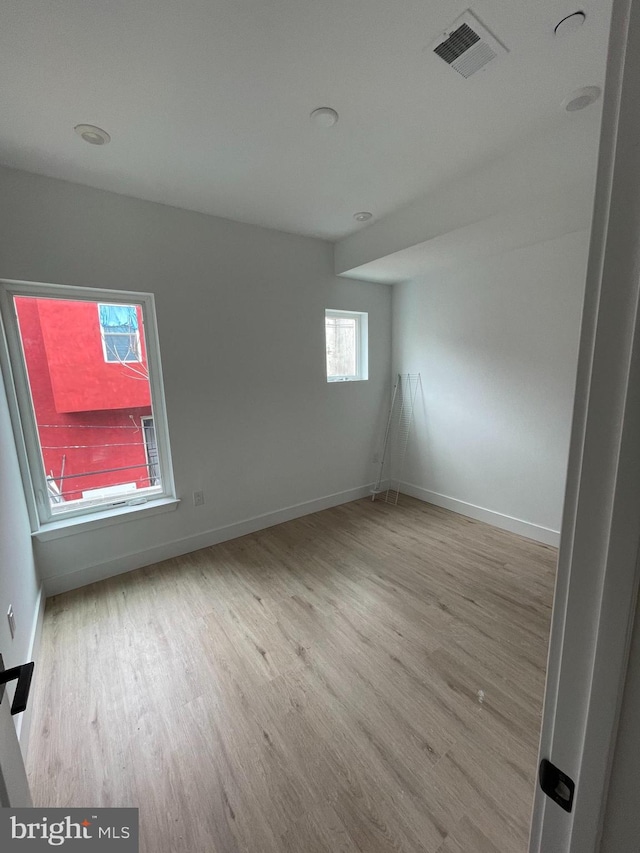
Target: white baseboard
[126,563]
[497,519]
[23,725]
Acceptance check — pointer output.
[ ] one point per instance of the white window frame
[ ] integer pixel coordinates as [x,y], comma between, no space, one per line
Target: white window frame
[44,523]
[362,344]
[104,332]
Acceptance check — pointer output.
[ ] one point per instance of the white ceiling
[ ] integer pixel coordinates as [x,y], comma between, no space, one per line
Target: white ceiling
[207,101]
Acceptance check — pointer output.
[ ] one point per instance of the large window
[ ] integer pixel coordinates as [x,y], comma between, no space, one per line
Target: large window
[347,345]
[89,402]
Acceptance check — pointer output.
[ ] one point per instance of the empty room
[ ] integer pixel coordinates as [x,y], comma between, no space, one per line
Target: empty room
[293,318]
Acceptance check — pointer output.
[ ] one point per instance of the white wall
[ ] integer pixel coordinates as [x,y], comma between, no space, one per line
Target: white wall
[19,583]
[253,421]
[496,341]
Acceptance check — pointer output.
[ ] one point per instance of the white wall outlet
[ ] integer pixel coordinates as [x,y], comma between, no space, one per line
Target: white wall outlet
[376,458]
[198,498]
[12,621]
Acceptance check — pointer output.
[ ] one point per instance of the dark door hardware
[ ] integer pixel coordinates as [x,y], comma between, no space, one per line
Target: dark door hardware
[23,674]
[556,785]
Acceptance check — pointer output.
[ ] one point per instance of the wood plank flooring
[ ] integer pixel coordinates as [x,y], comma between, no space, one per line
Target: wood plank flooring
[362,680]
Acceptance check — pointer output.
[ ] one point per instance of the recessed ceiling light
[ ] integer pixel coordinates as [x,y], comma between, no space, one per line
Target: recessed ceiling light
[324,117]
[581,98]
[92,134]
[362,216]
[570,24]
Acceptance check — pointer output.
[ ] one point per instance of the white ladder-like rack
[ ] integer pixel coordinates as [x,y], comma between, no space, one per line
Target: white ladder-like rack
[396,437]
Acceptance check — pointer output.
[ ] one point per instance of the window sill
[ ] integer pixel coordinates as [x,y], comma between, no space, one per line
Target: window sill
[83,524]
[342,380]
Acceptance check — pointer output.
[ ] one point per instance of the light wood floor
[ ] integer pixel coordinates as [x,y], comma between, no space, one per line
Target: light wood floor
[368,678]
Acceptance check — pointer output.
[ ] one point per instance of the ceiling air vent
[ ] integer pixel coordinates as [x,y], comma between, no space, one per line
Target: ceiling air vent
[467,46]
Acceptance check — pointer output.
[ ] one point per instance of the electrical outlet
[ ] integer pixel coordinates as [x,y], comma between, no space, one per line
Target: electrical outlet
[198,498]
[12,621]
[376,458]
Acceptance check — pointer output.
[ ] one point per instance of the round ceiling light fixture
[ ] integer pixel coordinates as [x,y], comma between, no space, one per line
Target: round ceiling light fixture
[92,134]
[570,24]
[581,98]
[363,216]
[324,117]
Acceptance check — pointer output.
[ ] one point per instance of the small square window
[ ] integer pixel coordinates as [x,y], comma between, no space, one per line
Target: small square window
[347,345]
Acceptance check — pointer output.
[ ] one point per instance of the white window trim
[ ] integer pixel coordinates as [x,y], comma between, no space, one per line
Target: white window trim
[362,345]
[111,515]
[23,421]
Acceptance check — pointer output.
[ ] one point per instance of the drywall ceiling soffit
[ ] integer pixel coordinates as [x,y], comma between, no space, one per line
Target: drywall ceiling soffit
[541,189]
[207,101]
[547,218]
